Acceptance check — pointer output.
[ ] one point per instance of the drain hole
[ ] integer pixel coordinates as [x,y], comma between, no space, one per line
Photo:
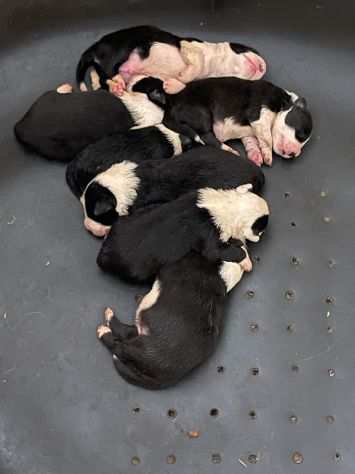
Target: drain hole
[290,328]
[295,261]
[293,419]
[330,419]
[214,412]
[295,368]
[293,224]
[253,458]
[287,195]
[171,459]
[330,300]
[136,410]
[135,461]
[254,327]
[289,295]
[216,458]
[255,371]
[250,294]
[172,413]
[297,458]
[220,369]
[252,414]
[337,456]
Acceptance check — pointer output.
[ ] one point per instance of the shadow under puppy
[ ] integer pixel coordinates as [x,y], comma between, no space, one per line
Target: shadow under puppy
[178,323]
[126,187]
[212,111]
[61,123]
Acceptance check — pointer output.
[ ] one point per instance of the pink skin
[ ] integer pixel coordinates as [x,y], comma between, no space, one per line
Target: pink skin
[256,66]
[99,230]
[133,65]
[246,264]
[173,86]
[287,148]
[253,150]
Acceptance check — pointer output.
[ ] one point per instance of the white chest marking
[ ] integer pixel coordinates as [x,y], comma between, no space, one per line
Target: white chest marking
[228,129]
[143,111]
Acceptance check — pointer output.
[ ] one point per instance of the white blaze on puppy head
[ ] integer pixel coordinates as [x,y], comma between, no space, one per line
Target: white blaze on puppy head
[109,195]
[292,128]
[237,213]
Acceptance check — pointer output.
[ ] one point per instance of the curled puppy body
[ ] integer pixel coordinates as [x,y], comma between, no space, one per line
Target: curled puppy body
[266,117]
[125,187]
[61,124]
[177,324]
[137,145]
[150,51]
[207,221]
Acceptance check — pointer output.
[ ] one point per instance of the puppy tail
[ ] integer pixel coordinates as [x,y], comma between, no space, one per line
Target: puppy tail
[88,60]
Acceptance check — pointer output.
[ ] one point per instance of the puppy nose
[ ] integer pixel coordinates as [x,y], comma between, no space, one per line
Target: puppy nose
[292,155]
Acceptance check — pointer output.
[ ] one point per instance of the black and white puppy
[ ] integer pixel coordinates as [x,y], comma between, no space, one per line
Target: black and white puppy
[127,186]
[137,145]
[61,123]
[153,52]
[177,324]
[264,116]
[208,221]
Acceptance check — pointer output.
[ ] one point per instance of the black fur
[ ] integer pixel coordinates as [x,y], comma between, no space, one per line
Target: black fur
[136,253]
[164,180]
[195,109]
[147,143]
[184,326]
[112,50]
[58,126]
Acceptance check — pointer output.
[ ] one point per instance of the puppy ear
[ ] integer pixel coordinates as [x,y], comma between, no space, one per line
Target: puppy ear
[102,206]
[301,103]
[158,97]
[244,188]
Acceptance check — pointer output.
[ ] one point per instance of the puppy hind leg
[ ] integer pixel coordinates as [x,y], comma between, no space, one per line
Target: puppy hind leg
[119,330]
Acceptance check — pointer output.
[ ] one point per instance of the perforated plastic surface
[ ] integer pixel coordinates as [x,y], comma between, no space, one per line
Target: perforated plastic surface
[281,385]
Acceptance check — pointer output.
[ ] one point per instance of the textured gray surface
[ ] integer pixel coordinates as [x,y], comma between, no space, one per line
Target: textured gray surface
[63,409]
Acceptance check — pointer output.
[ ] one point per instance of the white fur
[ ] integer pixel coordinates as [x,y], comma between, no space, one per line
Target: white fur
[219,60]
[164,61]
[147,302]
[228,129]
[143,111]
[172,137]
[123,183]
[231,273]
[233,211]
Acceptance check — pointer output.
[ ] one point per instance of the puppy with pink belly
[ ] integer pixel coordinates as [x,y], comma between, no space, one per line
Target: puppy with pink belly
[176,60]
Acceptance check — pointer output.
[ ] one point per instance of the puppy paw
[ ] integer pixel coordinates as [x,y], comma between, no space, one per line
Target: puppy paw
[108,315]
[256,157]
[246,264]
[65,89]
[101,330]
[116,85]
[267,156]
[173,86]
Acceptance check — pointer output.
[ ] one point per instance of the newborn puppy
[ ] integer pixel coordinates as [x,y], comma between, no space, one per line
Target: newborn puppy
[177,324]
[60,124]
[125,187]
[207,221]
[153,52]
[137,145]
[212,111]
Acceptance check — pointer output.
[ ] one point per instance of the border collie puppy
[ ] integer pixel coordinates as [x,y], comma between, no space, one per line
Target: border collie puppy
[177,324]
[127,186]
[207,221]
[137,145]
[153,52]
[265,117]
[60,123]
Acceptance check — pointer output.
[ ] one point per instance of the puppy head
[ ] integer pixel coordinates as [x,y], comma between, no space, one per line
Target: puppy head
[109,195]
[153,87]
[292,128]
[237,213]
[100,209]
[248,64]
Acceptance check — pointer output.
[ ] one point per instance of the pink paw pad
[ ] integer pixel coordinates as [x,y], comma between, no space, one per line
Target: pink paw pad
[256,157]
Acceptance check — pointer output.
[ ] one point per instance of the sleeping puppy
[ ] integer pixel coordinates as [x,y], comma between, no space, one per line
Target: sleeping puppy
[137,145]
[177,324]
[207,221]
[60,123]
[126,186]
[153,52]
[212,111]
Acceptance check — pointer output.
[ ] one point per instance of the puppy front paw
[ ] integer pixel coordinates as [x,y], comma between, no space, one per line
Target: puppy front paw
[108,315]
[101,330]
[173,86]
